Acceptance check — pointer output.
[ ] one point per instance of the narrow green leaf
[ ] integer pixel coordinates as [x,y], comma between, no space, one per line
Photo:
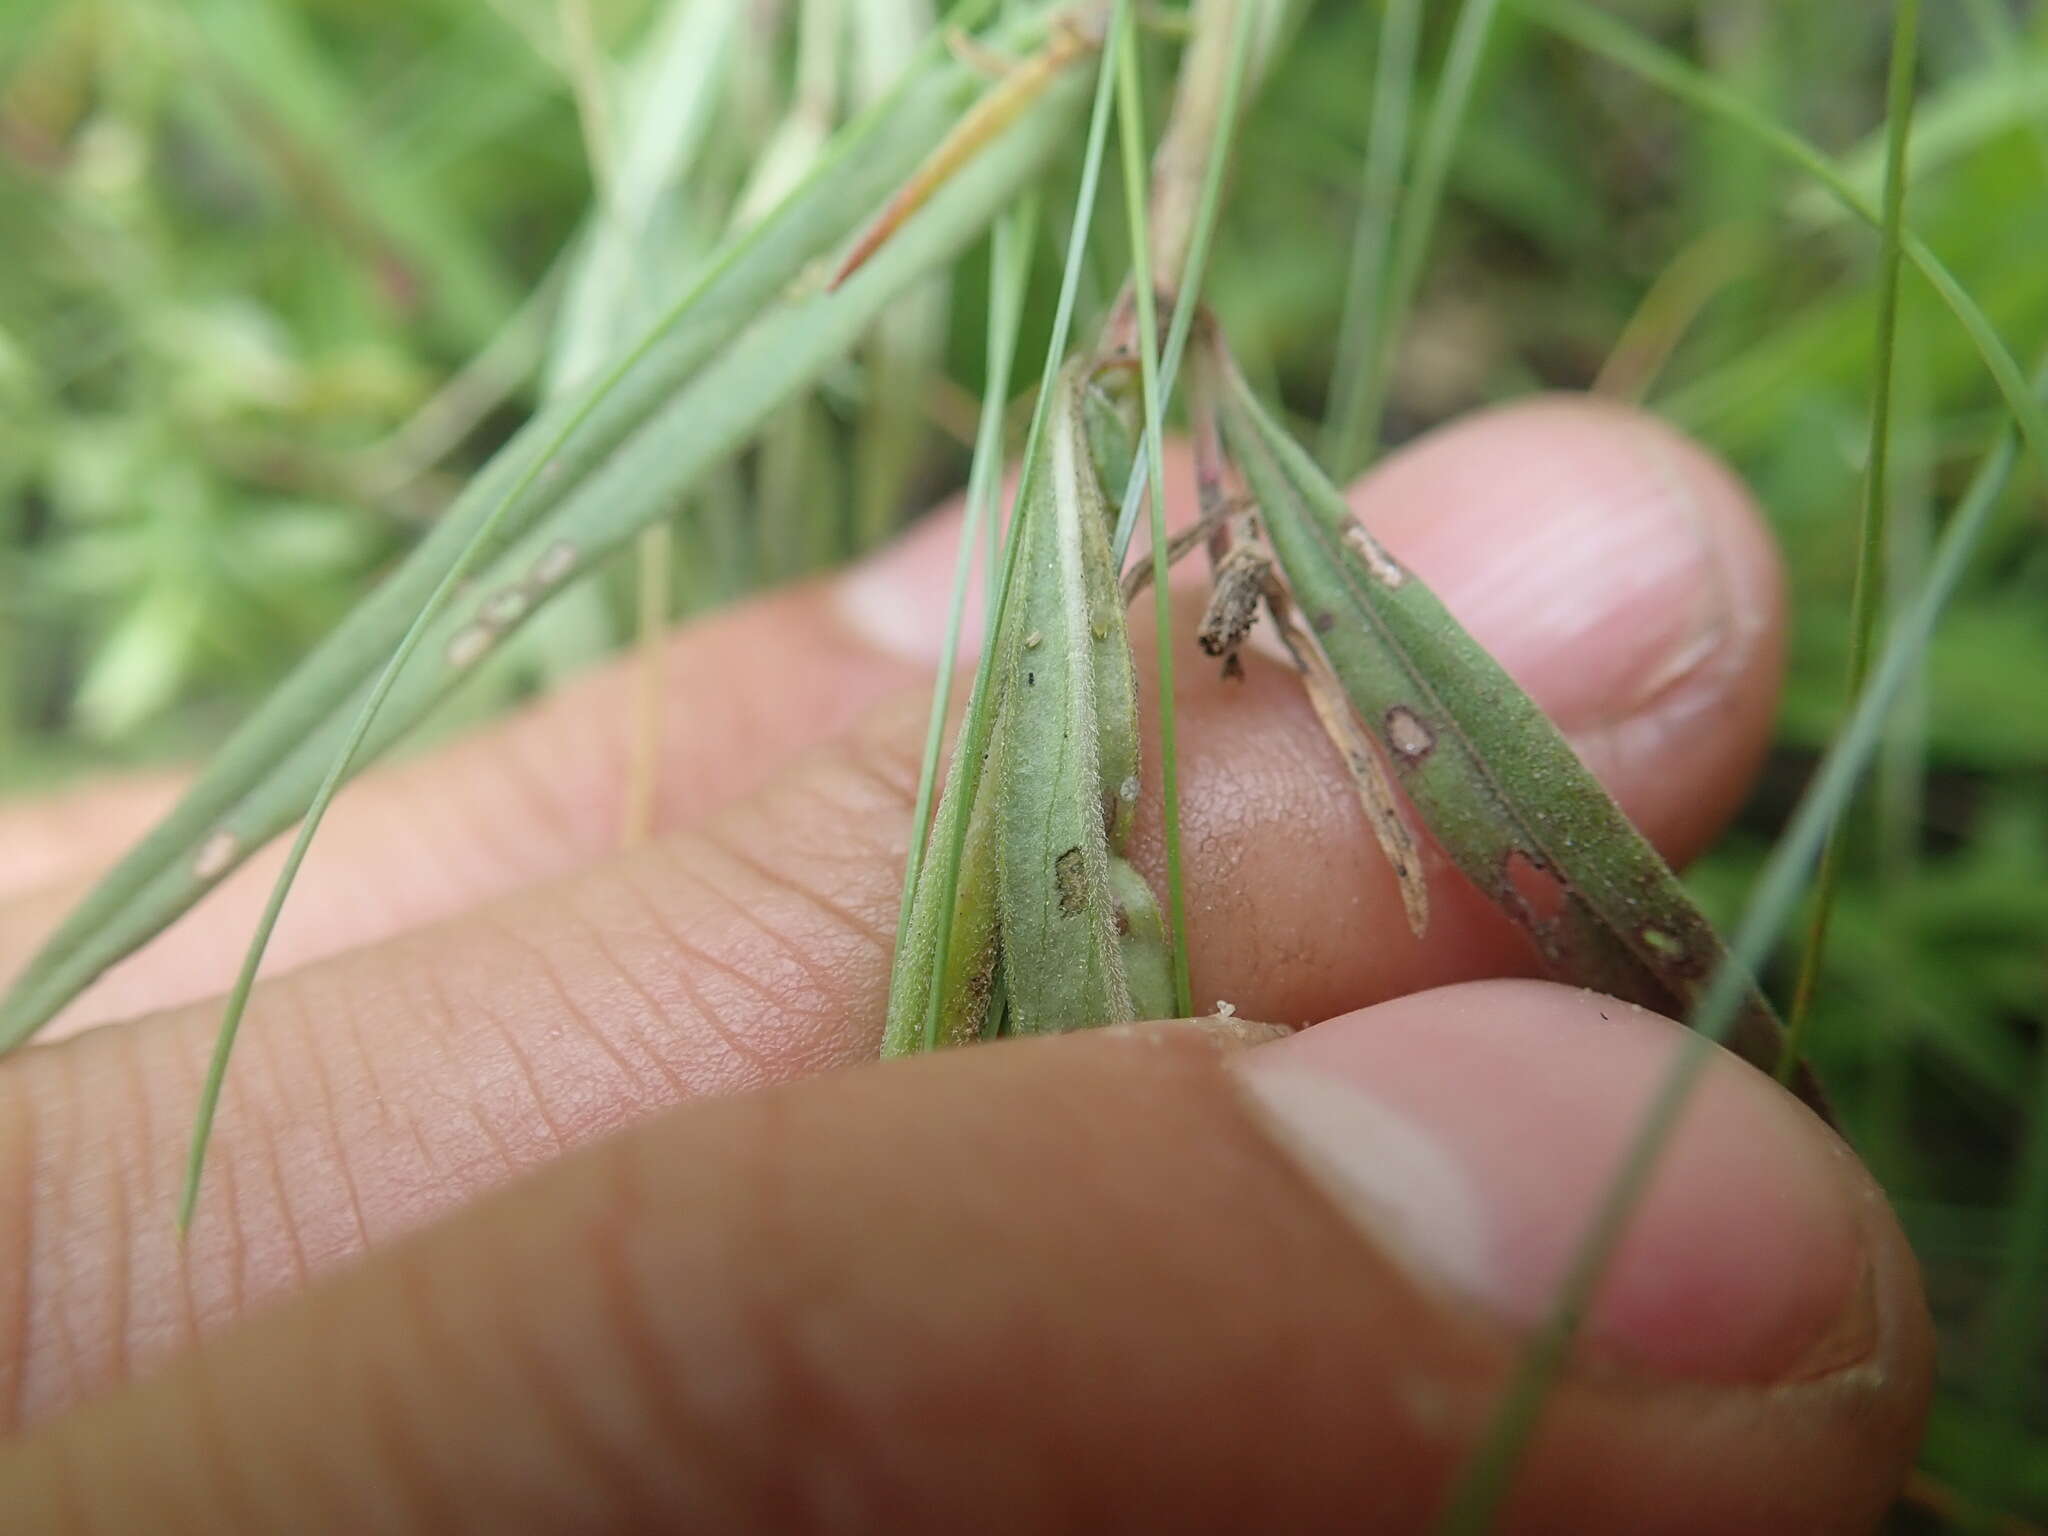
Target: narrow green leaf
[1244,52]
[1131,120]
[1499,787]
[1364,321]
[580,479]
[670,98]
[1867,595]
[1008,269]
[948,949]
[1062,959]
[1415,225]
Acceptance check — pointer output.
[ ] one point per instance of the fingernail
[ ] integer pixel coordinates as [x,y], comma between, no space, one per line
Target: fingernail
[898,599]
[1603,559]
[1471,1134]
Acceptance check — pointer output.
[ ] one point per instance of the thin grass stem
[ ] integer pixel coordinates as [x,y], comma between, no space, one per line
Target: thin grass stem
[1187,300]
[1131,121]
[1364,318]
[1009,270]
[1415,224]
[1867,596]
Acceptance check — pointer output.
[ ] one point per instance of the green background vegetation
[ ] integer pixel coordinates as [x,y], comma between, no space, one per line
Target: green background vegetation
[243,243]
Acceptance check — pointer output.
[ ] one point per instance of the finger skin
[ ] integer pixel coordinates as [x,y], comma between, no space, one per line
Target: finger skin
[1070,1285]
[1638,680]
[533,797]
[48,840]
[377,1090]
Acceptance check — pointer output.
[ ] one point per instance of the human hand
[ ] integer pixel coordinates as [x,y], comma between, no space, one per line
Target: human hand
[1114,1281]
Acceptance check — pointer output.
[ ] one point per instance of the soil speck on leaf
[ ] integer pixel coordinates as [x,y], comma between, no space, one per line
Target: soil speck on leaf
[469,644]
[556,561]
[1411,740]
[508,607]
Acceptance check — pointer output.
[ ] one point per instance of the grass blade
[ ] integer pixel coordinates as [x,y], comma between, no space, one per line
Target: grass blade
[1364,319]
[570,486]
[1415,224]
[721,408]
[1501,789]
[1008,271]
[1867,594]
[1201,235]
[1131,122]
[1067,746]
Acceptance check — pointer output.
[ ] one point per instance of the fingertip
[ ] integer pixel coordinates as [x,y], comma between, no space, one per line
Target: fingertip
[1478,1128]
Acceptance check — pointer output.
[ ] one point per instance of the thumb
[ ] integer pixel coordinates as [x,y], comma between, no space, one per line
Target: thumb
[1103,1282]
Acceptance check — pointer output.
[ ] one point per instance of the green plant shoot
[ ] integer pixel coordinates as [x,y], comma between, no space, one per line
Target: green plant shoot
[1048,914]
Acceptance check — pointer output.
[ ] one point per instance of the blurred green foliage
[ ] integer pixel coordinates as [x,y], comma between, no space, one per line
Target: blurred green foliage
[243,243]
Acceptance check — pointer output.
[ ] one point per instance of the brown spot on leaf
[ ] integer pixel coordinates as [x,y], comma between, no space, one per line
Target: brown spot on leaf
[1071,879]
[1386,571]
[1536,896]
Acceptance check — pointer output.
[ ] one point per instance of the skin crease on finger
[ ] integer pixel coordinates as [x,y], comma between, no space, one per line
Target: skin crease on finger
[373,1092]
